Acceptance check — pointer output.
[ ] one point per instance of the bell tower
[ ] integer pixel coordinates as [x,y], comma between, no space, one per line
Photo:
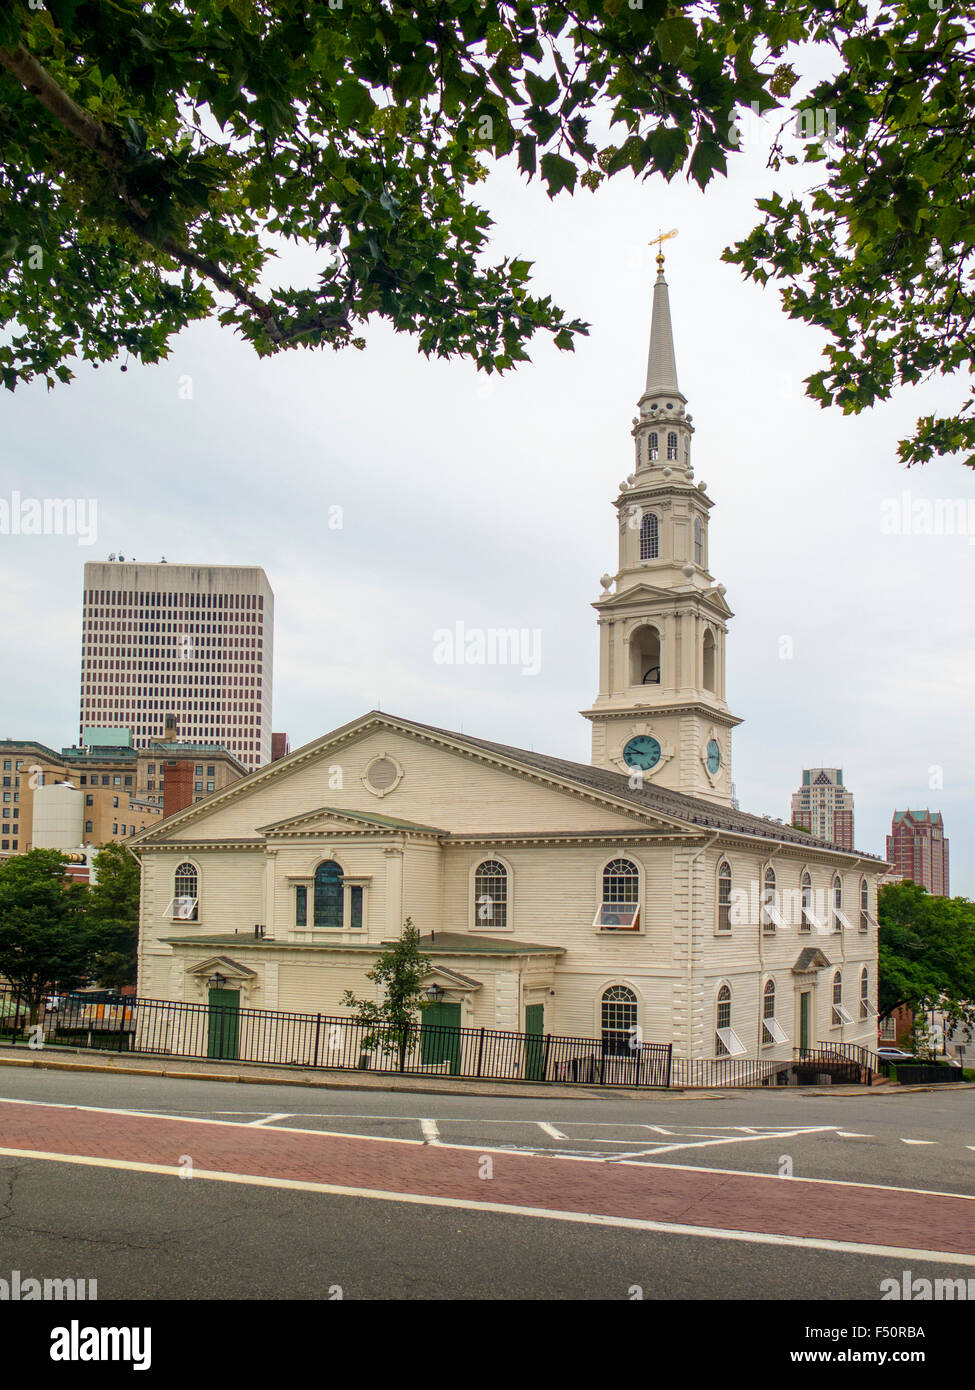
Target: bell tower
[660,713]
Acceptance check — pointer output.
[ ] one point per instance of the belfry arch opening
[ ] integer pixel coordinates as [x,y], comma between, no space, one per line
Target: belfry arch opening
[707,660]
[645,656]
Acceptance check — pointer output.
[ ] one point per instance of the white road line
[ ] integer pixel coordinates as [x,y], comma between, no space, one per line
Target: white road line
[551,1130]
[944,1257]
[708,1143]
[919,1141]
[268,1120]
[659,1129]
[844,1134]
[431,1133]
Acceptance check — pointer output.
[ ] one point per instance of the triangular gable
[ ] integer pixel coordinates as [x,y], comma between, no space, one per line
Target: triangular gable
[607,812]
[330,817]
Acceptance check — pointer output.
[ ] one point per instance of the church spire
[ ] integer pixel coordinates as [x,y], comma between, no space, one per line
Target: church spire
[661,362]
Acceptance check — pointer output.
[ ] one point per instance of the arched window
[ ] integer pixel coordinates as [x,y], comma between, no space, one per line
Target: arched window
[491,894]
[186,899]
[840,1015]
[707,660]
[837,903]
[653,447]
[805,921]
[698,542]
[645,656]
[864,905]
[618,1020]
[864,993]
[769,910]
[724,896]
[726,1040]
[649,536]
[672,445]
[329,893]
[620,906]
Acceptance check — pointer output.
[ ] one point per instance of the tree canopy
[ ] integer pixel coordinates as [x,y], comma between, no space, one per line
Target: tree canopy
[113,914]
[44,936]
[926,955]
[154,158]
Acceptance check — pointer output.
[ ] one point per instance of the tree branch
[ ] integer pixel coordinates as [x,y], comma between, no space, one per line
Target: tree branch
[110,151]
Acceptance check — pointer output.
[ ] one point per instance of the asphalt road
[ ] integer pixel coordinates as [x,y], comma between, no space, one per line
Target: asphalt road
[145,1235]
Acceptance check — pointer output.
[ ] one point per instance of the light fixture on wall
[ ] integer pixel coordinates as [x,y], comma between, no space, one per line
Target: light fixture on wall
[217,981]
[435,993]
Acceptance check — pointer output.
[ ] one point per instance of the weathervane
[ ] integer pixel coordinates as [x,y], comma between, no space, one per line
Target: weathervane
[660,238]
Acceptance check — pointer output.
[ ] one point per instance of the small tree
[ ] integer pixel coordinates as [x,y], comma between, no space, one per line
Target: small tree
[113,916]
[44,933]
[391,1021]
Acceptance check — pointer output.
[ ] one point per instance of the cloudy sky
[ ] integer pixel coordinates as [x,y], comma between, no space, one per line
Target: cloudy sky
[489,502]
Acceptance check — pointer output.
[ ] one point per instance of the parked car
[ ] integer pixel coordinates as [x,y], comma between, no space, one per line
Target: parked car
[895,1054]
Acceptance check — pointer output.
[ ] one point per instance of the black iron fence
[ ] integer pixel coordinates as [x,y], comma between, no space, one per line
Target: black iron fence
[173,1028]
[210,1030]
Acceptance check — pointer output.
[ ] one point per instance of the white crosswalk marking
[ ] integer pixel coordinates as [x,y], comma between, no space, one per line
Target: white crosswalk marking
[268,1120]
[431,1132]
[919,1141]
[845,1134]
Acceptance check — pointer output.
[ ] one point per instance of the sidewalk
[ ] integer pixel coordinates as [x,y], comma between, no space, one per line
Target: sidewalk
[266,1074]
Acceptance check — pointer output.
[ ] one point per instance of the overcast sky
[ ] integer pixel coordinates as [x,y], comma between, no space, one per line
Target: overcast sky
[489,502]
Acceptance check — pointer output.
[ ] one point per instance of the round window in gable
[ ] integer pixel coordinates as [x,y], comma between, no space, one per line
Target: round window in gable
[382,775]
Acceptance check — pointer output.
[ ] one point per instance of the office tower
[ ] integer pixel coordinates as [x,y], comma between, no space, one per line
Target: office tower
[824,806]
[179,652]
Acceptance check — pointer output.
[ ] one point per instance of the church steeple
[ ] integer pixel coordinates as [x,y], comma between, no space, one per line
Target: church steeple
[661,711]
[661,361]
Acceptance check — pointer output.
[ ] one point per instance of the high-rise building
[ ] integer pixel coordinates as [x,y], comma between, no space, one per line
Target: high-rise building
[824,806]
[181,652]
[918,850]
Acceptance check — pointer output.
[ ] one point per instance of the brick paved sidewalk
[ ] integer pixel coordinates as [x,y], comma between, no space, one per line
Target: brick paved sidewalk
[819,1209]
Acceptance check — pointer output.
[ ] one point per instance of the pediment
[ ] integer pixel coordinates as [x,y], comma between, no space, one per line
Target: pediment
[810,958]
[328,820]
[222,965]
[450,980]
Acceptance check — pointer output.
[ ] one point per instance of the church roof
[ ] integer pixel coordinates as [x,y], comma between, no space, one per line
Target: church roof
[709,815]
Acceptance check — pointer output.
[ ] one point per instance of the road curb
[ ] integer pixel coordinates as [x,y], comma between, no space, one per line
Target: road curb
[256,1076]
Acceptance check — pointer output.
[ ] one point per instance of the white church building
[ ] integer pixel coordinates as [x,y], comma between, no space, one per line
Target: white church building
[551,896]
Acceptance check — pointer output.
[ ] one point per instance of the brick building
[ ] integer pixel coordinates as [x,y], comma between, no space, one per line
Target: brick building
[918,850]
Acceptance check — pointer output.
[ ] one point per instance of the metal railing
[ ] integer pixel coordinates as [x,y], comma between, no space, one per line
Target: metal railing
[174,1028]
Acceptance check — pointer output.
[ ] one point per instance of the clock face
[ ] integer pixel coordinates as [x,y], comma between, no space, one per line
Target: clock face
[714,756]
[642,751]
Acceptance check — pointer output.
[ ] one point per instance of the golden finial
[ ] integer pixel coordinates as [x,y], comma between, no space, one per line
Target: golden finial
[660,238]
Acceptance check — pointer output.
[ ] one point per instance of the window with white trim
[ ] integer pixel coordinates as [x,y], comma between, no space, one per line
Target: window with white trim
[672,445]
[772,1031]
[806,919]
[726,1040]
[619,909]
[864,905]
[185,903]
[724,896]
[649,536]
[840,1015]
[618,1020]
[491,894]
[770,913]
[653,447]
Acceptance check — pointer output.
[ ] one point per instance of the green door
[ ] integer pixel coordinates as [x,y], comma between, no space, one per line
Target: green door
[534,1047]
[440,1036]
[223,1030]
[804,1021]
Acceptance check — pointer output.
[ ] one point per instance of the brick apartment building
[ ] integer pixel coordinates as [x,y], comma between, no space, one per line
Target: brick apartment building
[918,850]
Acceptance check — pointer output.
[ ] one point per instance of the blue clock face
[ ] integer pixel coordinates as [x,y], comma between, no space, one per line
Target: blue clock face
[714,757]
[642,752]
